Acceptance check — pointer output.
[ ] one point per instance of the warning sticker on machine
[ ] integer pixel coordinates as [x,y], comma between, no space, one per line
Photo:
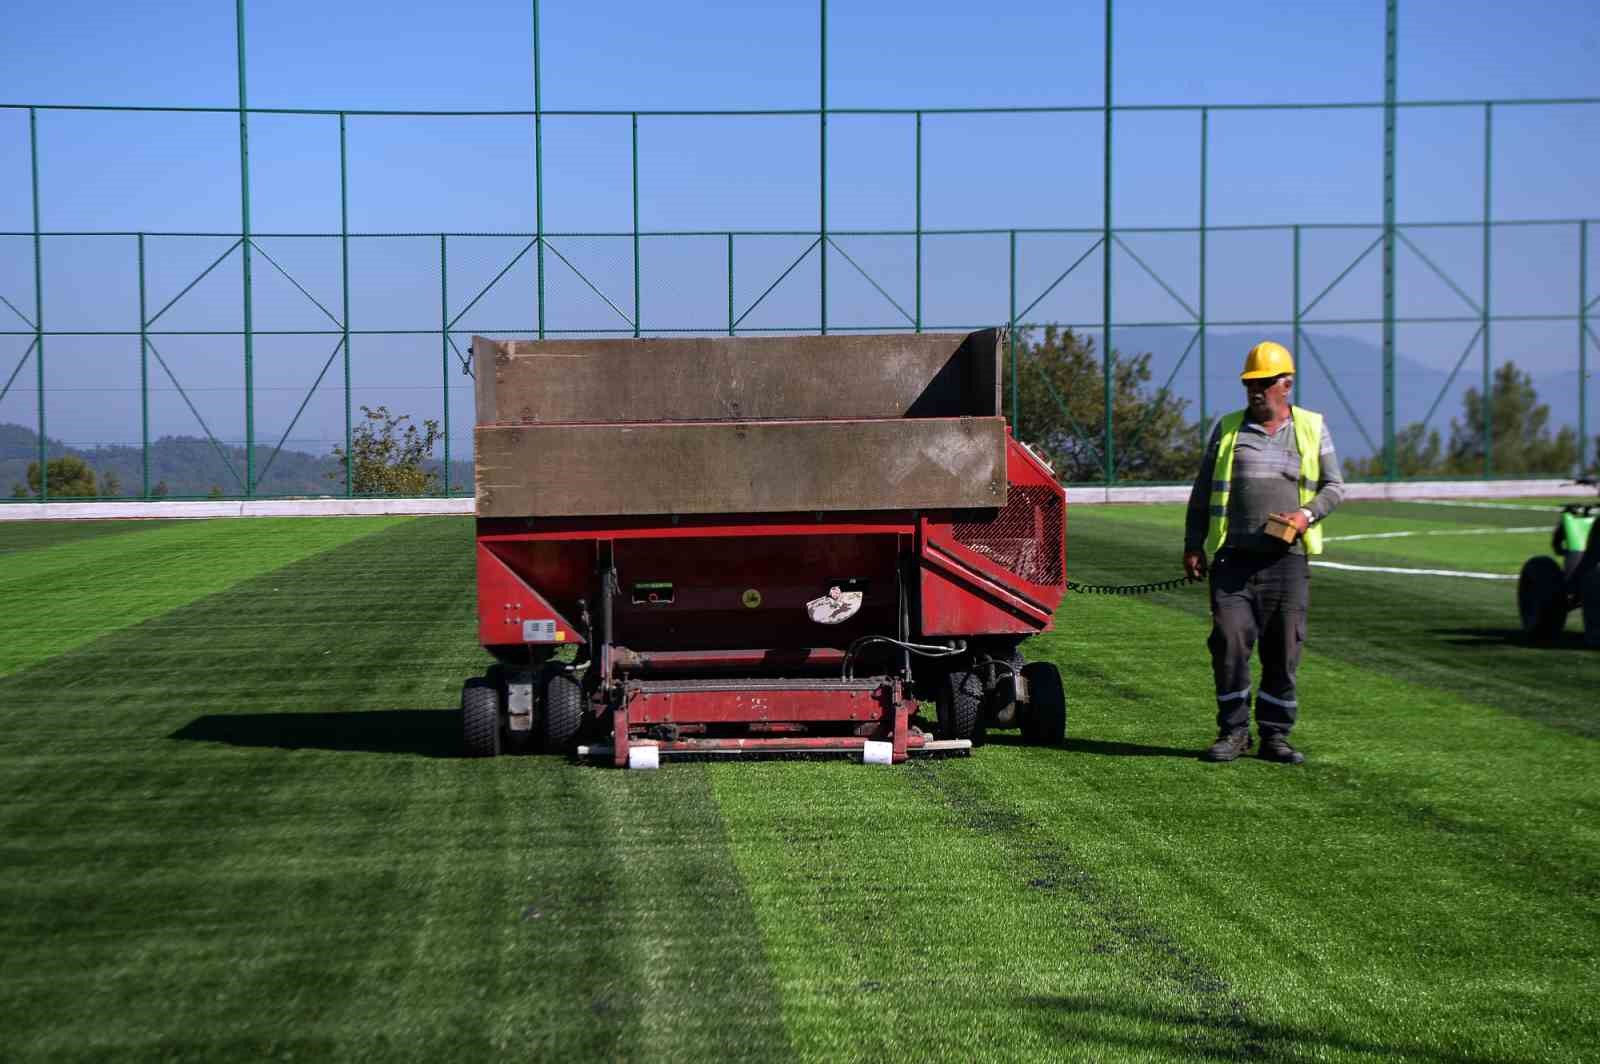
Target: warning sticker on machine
[541,632]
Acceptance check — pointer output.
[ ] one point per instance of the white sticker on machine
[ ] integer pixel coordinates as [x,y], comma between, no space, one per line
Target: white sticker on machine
[835,607]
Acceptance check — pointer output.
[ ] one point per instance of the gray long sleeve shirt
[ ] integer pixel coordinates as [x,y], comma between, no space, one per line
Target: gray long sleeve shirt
[1265,480]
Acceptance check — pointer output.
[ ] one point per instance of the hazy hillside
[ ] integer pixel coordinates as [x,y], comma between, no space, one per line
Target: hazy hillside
[191,466]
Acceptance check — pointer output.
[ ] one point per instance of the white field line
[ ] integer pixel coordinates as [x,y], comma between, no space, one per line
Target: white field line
[1483,505]
[1413,572]
[1424,532]
[1433,532]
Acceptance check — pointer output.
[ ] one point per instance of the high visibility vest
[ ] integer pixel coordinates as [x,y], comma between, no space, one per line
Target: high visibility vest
[1307,439]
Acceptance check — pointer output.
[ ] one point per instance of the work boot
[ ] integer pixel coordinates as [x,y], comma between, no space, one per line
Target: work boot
[1229,745]
[1275,747]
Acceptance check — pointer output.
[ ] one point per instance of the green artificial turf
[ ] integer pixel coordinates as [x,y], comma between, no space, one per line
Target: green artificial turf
[234,826]
[67,585]
[29,535]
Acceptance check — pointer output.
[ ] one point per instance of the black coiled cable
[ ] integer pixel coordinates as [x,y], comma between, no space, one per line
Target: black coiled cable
[1132,589]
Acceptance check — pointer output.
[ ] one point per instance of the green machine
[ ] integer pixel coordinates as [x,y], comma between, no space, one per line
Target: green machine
[1550,588]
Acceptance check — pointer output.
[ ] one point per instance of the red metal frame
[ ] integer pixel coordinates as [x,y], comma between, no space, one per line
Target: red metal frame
[739,585]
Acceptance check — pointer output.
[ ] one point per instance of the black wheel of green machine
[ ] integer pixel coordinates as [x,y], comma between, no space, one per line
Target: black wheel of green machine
[480,717]
[1590,590]
[563,710]
[1044,718]
[1542,598]
[959,701]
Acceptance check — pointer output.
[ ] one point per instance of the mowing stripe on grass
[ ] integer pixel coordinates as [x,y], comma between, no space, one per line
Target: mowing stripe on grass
[1425,885]
[18,536]
[252,837]
[905,922]
[60,597]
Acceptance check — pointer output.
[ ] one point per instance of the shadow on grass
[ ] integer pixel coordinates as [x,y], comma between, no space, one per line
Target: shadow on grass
[1096,746]
[1511,637]
[429,732]
[1226,1034]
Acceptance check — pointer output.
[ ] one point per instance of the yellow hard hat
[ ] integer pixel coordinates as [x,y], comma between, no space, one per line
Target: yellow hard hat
[1267,359]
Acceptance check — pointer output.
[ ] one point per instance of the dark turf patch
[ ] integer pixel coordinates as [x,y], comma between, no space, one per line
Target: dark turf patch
[31,535]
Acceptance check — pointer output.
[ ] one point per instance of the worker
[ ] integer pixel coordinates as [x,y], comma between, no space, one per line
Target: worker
[1271,463]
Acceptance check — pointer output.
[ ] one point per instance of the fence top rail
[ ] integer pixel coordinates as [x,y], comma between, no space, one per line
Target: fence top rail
[1257,227]
[802,112]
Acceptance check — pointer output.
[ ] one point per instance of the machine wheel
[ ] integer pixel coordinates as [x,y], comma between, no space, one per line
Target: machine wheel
[1542,598]
[1590,593]
[1044,720]
[480,717]
[959,701]
[563,710]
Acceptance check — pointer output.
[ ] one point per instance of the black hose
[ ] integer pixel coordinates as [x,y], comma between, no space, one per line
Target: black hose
[1132,589]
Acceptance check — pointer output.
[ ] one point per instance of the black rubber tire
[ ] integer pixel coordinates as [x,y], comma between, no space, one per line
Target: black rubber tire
[959,701]
[480,717]
[563,711]
[1589,589]
[1044,718]
[1542,598]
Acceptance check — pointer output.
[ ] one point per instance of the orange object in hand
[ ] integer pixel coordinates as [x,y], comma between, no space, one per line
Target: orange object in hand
[1280,527]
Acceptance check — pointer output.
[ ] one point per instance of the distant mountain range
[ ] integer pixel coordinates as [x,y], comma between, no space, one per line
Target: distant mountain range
[191,466]
[1355,366]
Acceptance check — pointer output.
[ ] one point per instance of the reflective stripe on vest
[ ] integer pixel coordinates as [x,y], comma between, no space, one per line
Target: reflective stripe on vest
[1307,440]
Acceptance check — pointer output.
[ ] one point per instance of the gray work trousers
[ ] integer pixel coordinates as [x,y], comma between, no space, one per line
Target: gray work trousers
[1257,597]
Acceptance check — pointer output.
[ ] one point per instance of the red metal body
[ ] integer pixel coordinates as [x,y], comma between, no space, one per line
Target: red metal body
[705,643]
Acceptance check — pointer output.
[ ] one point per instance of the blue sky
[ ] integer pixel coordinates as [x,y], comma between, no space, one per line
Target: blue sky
[171,172]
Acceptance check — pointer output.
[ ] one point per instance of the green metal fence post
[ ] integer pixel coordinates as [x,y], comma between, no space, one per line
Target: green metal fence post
[1205,137]
[344,280]
[444,348]
[1296,343]
[538,166]
[636,299]
[1011,342]
[38,302]
[1583,347]
[144,384]
[822,168]
[244,249]
[1105,270]
[730,285]
[919,221]
[1391,458]
[1488,405]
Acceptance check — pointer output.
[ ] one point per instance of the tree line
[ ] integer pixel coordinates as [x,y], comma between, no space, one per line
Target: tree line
[1060,411]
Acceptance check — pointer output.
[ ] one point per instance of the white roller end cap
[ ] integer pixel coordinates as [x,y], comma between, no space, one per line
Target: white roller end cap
[875,753]
[644,757]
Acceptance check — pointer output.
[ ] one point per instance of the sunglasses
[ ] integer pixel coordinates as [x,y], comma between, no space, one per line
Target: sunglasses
[1266,382]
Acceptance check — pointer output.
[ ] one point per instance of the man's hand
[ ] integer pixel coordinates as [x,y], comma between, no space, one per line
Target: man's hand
[1194,564]
[1297,518]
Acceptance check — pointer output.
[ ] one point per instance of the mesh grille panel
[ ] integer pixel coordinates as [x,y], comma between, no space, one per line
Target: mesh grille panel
[1024,537]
